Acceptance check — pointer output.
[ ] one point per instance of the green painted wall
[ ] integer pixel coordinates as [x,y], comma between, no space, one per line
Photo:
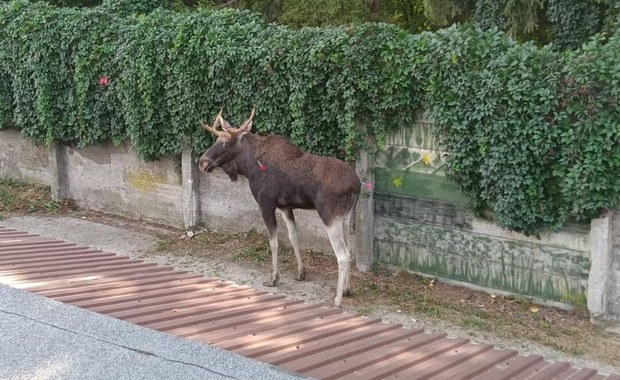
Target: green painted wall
[416,184]
[422,223]
[543,271]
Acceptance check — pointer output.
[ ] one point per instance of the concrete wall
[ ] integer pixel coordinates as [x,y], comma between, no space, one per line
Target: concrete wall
[23,160]
[114,180]
[614,299]
[604,280]
[170,191]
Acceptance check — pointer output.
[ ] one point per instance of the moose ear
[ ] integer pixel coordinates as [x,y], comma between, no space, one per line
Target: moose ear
[246,127]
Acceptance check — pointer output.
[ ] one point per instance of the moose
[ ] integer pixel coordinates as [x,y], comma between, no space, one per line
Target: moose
[282,176]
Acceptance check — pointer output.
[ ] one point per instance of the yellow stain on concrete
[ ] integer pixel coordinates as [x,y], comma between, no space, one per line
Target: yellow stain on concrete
[144,181]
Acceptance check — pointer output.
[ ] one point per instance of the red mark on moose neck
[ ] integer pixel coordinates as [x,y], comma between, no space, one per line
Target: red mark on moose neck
[262,167]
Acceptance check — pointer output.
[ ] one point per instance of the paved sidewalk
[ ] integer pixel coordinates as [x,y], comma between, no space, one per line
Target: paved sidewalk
[40,338]
[45,339]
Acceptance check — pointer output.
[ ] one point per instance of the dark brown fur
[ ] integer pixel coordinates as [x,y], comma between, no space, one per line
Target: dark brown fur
[293,178]
[282,176]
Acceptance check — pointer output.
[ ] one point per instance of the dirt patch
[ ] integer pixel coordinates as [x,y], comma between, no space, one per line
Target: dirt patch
[245,259]
[16,197]
[392,295]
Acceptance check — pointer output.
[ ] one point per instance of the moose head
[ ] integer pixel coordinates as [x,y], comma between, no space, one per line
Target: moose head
[226,147]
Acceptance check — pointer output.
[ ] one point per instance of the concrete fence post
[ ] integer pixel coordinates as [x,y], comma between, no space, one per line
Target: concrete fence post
[190,179]
[363,223]
[58,172]
[601,265]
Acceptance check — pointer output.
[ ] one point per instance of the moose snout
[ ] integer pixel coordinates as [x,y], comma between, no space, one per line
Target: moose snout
[204,164]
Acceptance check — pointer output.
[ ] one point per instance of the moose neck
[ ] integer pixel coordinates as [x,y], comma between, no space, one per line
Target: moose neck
[247,159]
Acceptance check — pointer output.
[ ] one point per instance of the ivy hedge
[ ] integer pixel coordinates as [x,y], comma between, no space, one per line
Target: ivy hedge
[535,133]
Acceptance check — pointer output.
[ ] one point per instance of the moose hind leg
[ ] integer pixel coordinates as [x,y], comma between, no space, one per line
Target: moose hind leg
[289,218]
[347,233]
[269,216]
[335,232]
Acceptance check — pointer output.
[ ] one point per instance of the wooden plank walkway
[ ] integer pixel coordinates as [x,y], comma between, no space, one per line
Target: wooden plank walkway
[313,340]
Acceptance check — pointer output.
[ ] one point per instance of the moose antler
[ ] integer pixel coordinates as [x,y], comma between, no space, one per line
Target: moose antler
[216,123]
[235,131]
[227,130]
[247,125]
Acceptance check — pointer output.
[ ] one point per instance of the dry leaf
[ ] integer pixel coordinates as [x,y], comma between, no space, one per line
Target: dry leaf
[534,309]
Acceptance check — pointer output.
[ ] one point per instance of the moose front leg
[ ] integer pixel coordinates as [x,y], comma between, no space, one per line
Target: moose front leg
[269,216]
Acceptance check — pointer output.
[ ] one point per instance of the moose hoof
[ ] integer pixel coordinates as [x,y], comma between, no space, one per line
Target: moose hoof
[301,275]
[337,301]
[272,282]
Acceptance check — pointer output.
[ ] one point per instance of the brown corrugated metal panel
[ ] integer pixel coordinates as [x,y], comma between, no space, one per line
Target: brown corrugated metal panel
[314,340]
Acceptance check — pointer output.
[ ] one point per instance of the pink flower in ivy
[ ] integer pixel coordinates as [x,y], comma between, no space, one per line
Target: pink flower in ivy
[104,81]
